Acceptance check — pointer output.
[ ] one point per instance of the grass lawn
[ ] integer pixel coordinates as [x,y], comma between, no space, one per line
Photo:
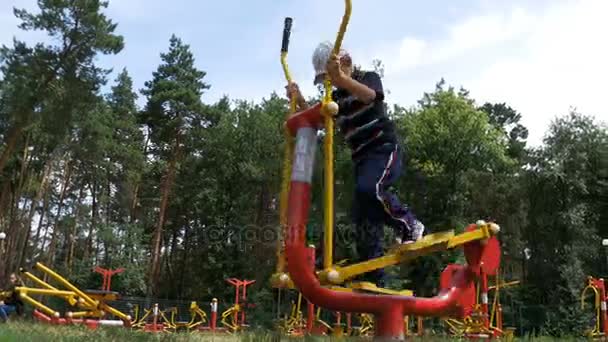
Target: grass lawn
[27,331]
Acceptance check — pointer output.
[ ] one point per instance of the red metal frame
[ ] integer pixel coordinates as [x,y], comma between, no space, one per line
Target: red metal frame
[107,275]
[600,285]
[240,295]
[388,310]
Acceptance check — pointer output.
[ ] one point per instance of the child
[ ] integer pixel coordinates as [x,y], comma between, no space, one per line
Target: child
[375,152]
[12,303]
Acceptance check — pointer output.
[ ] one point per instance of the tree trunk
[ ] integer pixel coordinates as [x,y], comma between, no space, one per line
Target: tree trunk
[89,245]
[184,263]
[54,236]
[4,196]
[45,209]
[133,212]
[17,219]
[11,141]
[157,237]
[42,189]
[71,234]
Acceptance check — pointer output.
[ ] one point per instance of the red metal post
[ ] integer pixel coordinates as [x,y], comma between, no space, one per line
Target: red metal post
[484,299]
[310,308]
[348,322]
[213,322]
[603,306]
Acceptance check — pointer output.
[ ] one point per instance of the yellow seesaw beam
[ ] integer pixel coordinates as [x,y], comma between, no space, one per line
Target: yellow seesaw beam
[39,305]
[431,243]
[38,281]
[88,300]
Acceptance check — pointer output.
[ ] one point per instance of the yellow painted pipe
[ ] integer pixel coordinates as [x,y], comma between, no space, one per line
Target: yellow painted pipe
[39,305]
[44,292]
[39,281]
[329,151]
[67,284]
[286,176]
[81,314]
[115,312]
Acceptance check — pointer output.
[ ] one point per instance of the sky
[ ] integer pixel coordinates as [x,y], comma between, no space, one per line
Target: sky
[541,57]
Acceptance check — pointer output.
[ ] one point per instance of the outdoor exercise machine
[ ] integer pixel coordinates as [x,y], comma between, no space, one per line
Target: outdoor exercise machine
[107,275]
[93,303]
[155,319]
[481,321]
[322,287]
[234,317]
[598,286]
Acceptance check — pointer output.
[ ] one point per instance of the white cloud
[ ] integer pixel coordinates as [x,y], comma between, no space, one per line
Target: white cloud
[540,63]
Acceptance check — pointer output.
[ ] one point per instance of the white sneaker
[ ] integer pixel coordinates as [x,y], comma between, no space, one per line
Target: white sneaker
[415,234]
[418,230]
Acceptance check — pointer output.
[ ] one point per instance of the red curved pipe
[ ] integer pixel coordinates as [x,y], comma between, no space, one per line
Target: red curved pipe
[388,310]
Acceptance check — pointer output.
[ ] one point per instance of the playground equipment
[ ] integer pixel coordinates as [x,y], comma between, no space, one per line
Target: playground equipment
[323,287]
[156,320]
[153,319]
[107,275]
[480,321]
[600,329]
[234,317]
[93,303]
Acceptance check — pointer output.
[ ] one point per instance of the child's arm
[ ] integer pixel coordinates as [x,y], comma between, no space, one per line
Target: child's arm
[294,90]
[366,91]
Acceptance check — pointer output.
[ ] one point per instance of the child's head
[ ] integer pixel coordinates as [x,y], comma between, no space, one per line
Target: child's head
[14,279]
[321,56]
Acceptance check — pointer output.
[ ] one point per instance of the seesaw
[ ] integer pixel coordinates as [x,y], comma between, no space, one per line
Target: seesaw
[93,303]
[481,248]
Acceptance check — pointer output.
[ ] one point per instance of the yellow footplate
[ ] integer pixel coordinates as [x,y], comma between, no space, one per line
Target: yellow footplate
[431,243]
[371,287]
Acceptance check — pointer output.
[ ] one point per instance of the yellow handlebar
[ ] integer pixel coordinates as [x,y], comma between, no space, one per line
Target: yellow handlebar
[329,152]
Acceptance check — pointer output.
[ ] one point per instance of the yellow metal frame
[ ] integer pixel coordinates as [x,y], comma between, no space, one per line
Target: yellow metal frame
[597,330]
[94,305]
[286,175]
[474,323]
[232,314]
[432,243]
[196,311]
[167,324]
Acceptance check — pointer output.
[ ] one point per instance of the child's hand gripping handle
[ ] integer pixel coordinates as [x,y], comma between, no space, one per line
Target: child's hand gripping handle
[286,34]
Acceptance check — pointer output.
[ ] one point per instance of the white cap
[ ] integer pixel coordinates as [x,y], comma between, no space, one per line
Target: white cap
[320,58]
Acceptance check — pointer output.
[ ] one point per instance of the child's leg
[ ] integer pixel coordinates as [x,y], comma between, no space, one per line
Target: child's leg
[397,215]
[3,313]
[369,213]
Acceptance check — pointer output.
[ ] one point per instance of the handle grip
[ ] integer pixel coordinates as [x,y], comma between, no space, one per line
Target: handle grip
[286,34]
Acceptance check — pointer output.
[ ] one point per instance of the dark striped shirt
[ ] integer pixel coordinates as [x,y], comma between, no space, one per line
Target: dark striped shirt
[365,126]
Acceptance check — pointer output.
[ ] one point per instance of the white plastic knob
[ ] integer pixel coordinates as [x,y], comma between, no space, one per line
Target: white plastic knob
[2,235]
[332,108]
[56,314]
[481,222]
[333,276]
[283,278]
[69,314]
[494,228]
[128,317]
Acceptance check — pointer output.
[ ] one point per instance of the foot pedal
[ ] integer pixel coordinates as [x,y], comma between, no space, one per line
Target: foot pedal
[372,288]
[428,244]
